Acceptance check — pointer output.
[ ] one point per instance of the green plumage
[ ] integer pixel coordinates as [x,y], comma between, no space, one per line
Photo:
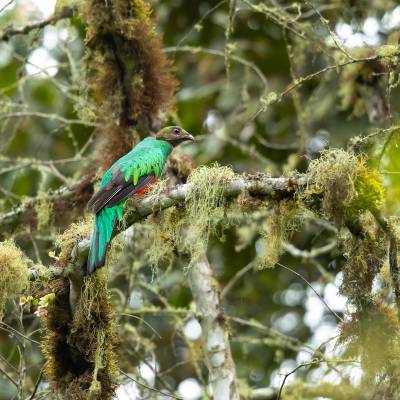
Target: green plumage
[128,175]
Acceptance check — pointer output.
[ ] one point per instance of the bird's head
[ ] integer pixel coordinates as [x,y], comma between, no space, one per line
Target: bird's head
[174,135]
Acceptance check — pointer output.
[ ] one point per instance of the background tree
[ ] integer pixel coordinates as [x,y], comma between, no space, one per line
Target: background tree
[264,265]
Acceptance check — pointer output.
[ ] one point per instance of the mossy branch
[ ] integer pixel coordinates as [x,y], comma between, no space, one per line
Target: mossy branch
[259,185]
[25,214]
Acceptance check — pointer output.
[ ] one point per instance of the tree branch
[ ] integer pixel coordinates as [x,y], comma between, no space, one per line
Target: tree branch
[23,214]
[217,351]
[259,185]
[65,12]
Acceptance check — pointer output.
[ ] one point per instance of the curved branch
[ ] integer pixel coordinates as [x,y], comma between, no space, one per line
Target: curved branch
[65,12]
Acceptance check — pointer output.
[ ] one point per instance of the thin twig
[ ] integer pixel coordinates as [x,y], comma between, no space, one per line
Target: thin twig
[39,379]
[145,322]
[9,377]
[236,278]
[10,329]
[219,53]
[149,387]
[311,287]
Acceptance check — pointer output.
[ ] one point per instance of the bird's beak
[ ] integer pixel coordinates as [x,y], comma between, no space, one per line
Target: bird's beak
[188,136]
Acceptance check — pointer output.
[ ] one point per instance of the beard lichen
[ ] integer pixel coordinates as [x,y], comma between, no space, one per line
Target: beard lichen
[372,335]
[13,272]
[365,255]
[286,217]
[44,212]
[205,206]
[346,184]
[188,229]
[165,234]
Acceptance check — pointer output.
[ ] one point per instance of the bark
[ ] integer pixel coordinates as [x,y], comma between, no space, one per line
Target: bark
[217,351]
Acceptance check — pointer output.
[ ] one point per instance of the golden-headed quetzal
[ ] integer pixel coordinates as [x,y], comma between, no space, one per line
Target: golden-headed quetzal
[131,175]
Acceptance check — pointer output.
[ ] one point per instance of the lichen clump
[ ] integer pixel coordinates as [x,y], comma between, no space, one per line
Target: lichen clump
[205,205]
[189,229]
[347,185]
[13,272]
[70,237]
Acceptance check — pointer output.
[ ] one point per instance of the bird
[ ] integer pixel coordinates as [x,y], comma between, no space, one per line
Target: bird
[130,175]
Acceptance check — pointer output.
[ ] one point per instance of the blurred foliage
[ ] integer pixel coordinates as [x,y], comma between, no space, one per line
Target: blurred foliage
[248,93]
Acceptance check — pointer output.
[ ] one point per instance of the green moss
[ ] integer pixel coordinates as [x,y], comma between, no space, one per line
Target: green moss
[93,334]
[13,272]
[369,192]
[347,186]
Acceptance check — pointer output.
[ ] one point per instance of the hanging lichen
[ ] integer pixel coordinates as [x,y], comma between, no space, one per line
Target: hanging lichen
[204,206]
[373,336]
[13,272]
[365,255]
[165,236]
[189,229]
[44,212]
[286,217]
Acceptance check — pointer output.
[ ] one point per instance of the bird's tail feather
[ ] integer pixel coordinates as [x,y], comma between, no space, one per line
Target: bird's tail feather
[101,237]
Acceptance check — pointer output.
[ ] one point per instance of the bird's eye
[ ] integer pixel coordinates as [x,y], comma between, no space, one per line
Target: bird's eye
[176,130]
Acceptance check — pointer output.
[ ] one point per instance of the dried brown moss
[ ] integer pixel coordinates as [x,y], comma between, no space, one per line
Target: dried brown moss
[79,343]
[79,349]
[127,71]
